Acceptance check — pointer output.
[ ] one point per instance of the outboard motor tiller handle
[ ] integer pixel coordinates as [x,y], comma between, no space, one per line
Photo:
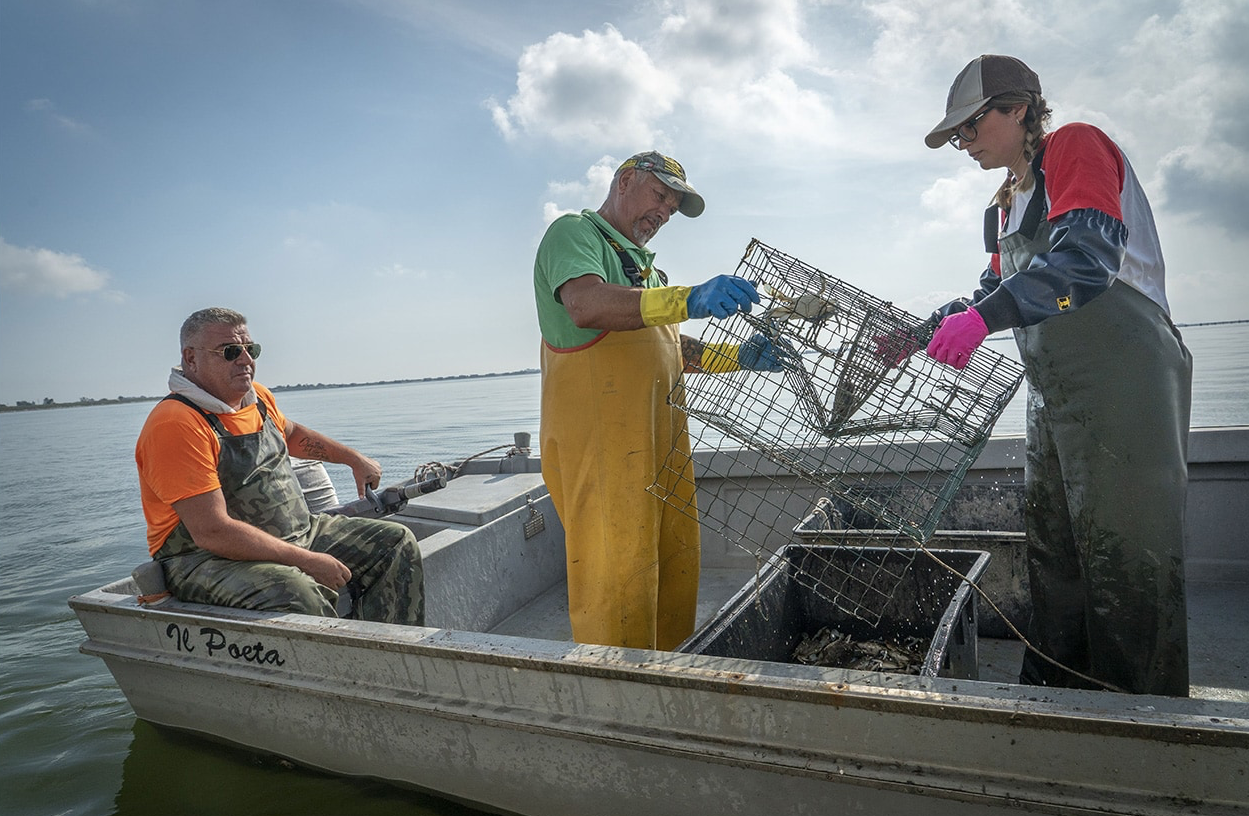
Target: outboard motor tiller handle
[390,500]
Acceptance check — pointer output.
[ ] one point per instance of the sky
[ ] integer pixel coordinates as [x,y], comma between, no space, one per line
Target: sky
[368,180]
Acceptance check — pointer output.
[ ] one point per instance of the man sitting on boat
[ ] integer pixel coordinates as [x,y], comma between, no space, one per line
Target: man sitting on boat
[226,517]
[611,353]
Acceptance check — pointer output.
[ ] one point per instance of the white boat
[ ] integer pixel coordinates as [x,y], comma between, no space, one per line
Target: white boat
[493,705]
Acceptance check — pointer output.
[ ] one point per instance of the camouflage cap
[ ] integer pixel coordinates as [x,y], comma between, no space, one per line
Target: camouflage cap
[671,173]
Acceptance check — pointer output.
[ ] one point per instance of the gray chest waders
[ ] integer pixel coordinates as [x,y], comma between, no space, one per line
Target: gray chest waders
[257,480]
[1106,477]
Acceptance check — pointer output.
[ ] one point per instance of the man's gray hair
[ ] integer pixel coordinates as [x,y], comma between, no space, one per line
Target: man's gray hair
[214,316]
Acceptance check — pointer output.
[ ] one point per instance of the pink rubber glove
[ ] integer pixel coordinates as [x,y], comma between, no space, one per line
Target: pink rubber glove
[957,337]
[896,347]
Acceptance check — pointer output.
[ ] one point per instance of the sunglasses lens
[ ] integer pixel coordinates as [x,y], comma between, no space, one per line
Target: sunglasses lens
[234,350]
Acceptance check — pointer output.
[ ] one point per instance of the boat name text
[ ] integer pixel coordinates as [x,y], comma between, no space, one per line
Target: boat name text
[214,641]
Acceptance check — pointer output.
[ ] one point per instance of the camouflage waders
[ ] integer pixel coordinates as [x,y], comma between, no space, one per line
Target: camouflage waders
[1106,476]
[261,489]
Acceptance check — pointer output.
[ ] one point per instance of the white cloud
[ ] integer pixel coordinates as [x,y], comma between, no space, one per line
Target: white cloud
[598,88]
[772,107]
[41,272]
[736,61]
[729,61]
[954,202]
[46,108]
[727,42]
[574,196]
[1195,101]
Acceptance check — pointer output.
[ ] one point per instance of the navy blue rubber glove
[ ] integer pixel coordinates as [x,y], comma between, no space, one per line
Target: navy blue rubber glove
[720,297]
[759,353]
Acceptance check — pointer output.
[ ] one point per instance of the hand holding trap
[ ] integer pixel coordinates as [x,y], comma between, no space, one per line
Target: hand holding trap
[887,433]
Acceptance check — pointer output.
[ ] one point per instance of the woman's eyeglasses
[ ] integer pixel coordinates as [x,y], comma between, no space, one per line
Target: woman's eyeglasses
[232,351]
[967,131]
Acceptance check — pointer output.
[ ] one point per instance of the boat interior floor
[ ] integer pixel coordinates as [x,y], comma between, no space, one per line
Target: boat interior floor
[1218,640]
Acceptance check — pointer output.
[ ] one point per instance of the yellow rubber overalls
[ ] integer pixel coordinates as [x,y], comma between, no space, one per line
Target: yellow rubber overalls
[606,435]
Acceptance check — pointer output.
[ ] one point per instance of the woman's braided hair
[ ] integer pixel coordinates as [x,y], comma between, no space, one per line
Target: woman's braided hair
[1035,119]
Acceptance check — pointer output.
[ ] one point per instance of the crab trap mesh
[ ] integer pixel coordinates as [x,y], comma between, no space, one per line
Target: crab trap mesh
[887,433]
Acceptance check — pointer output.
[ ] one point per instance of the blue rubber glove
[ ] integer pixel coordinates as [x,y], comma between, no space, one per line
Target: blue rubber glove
[720,297]
[759,353]
[957,337]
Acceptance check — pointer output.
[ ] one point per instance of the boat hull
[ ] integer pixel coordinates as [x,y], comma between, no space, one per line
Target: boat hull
[546,727]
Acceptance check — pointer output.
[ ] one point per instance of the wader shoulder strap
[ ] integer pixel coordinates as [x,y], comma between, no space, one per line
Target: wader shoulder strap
[1031,216]
[992,227]
[631,270]
[213,421]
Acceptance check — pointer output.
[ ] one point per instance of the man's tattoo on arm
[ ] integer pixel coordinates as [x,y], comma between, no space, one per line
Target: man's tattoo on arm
[312,449]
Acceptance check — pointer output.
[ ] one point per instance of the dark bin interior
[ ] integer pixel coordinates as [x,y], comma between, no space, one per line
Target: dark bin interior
[768,617]
[1005,580]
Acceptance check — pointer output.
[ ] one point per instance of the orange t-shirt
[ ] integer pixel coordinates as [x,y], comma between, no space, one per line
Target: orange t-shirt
[177,457]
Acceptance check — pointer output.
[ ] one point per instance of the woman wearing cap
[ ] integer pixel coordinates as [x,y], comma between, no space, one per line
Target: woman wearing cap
[1077,272]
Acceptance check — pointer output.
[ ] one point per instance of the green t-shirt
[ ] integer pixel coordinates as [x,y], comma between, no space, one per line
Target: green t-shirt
[573,247]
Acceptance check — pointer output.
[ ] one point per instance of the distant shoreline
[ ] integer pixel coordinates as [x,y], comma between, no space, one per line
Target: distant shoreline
[84,402]
[49,403]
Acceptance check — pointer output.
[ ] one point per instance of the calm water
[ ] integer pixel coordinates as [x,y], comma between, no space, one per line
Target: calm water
[70,522]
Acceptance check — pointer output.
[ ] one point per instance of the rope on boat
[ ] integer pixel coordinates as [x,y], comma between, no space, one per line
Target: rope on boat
[434,469]
[1015,630]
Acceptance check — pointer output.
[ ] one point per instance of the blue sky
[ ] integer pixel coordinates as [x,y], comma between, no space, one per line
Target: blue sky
[367,180]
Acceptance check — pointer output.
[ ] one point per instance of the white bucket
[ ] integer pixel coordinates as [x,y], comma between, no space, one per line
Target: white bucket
[319,493]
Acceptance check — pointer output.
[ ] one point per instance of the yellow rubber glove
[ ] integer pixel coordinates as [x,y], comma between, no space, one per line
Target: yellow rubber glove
[719,358]
[664,304]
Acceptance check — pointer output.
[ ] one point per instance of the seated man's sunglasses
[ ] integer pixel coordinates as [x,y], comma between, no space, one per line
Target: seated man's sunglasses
[231,351]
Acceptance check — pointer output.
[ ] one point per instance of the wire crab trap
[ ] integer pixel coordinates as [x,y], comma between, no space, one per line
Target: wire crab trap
[886,432]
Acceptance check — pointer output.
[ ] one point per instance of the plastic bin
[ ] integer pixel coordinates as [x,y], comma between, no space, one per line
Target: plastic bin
[768,617]
[1004,583]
